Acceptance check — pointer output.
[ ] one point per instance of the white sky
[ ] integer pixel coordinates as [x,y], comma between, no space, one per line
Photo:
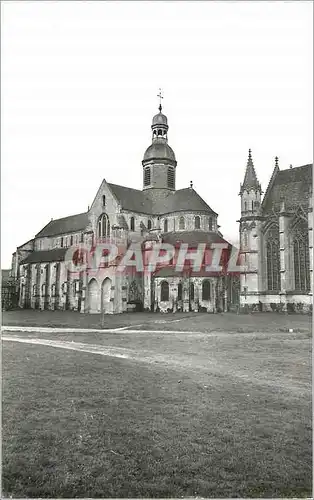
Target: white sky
[79,86]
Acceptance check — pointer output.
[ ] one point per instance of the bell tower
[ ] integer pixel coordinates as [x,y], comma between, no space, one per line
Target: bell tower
[159,162]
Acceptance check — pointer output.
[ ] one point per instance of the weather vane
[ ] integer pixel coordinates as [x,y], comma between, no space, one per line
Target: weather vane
[160,97]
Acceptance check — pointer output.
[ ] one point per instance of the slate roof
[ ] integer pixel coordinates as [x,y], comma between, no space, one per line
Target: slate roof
[159,150]
[192,237]
[150,202]
[131,199]
[65,225]
[293,185]
[55,255]
[159,202]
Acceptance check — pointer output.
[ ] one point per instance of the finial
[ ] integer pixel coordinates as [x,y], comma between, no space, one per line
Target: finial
[160,97]
[88,208]
[276,161]
[191,184]
[291,166]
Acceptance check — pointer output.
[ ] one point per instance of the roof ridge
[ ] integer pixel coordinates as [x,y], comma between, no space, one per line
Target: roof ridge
[294,168]
[125,187]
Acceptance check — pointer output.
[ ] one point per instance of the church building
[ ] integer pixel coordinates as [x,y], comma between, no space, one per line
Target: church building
[158,213]
[276,246]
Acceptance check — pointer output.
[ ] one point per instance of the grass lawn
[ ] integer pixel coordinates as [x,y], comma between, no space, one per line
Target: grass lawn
[257,322]
[210,415]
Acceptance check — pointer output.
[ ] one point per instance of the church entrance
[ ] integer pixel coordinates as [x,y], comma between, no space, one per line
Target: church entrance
[106,295]
[93,297]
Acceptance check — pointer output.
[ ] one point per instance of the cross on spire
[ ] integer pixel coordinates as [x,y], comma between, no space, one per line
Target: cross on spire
[160,97]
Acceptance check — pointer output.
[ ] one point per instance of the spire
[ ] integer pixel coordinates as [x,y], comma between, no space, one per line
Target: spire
[160,97]
[250,177]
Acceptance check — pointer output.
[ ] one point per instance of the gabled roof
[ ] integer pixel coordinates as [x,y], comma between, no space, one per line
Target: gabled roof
[159,201]
[65,225]
[150,202]
[55,255]
[186,199]
[294,185]
[131,199]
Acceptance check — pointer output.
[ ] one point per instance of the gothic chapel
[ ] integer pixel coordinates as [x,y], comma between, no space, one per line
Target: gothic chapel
[276,240]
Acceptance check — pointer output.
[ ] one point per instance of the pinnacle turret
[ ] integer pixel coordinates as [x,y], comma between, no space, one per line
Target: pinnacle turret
[250,178]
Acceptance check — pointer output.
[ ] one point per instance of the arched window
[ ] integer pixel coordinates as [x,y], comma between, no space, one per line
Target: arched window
[164,291]
[180,291]
[252,205]
[149,224]
[301,258]
[71,240]
[34,290]
[61,242]
[104,201]
[165,225]
[103,226]
[132,224]
[147,179]
[273,259]
[210,223]
[181,223]
[170,177]
[206,290]
[191,291]
[197,222]
[245,206]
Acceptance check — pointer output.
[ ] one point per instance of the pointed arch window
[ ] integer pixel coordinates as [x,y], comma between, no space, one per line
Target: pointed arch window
[103,226]
[166,226]
[147,176]
[273,259]
[206,290]
[180,291]
[132,224]
[197,222]
[181,223]
[104,201]
[164,291]
[301,258]
[210,223]
[170,177]
[244,239]
[149,224]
